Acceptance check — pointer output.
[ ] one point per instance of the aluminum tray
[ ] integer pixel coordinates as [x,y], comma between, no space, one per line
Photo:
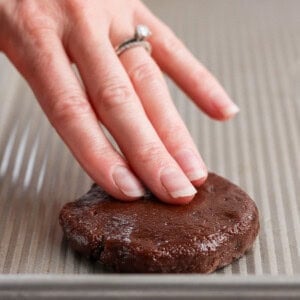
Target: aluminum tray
[253,47]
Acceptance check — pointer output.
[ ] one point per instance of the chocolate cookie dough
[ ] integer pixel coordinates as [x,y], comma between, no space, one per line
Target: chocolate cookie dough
[147,235]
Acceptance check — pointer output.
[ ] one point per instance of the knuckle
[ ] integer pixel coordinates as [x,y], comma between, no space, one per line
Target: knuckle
[83,18]
[143,72]
[195,76]
[173,133]
[150,152]
[77,8]
[113,96]
[102,153]
[203,76]
[67,107]
[200,73]
[106,154]
[34,19]
[27,22]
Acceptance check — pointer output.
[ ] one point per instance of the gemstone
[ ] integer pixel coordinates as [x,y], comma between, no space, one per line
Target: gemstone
[142,32]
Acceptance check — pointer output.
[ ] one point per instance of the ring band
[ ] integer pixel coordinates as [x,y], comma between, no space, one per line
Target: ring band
[133,44]
[142,32]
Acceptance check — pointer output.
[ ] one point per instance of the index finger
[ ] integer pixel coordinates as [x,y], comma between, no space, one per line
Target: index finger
[49,72]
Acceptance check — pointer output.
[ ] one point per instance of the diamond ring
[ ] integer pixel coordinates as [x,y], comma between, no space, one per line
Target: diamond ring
[142,32]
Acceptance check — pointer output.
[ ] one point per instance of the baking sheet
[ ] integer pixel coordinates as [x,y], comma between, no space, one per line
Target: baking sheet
[149,287]
[253,49]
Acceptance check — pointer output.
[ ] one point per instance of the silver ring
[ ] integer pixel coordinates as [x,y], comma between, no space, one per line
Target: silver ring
[142,32]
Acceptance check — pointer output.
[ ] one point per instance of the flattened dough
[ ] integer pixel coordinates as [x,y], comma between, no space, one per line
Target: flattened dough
[147,235]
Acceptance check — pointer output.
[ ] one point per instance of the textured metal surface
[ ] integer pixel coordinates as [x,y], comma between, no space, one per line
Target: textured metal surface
[253,47]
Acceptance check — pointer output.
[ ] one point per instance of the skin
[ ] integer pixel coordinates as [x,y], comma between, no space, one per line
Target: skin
[127,94]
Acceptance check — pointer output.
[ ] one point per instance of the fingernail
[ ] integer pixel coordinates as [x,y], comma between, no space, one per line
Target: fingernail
[192,165]
[222,102]
[231,110]
[127,182]
[176,184]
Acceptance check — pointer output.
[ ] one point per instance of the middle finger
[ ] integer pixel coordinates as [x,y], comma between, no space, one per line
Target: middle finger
[153,92]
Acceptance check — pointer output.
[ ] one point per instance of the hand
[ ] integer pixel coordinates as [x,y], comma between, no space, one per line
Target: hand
[127,94]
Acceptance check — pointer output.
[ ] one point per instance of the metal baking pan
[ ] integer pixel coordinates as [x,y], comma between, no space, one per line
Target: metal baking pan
[253,49]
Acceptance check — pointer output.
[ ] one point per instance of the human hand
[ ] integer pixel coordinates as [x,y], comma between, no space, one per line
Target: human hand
[127,94]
